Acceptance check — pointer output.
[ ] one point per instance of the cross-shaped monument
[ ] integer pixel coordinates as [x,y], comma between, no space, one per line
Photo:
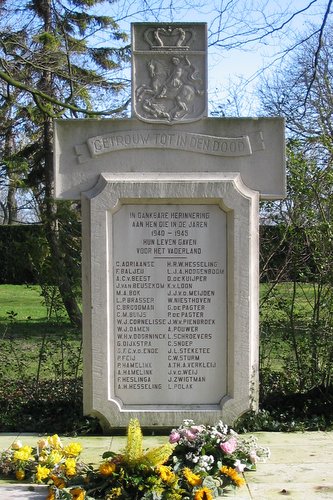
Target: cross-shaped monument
[170,210]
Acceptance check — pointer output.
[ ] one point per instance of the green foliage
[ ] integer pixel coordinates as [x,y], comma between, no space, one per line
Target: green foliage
[51,68]
[40,366]
[298,315]
[296,308]
[54,404]
[48,40]
[21,247]
[55,39]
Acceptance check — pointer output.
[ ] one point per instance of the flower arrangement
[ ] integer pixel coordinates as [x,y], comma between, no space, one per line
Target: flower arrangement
[49,461]
[211,458]
[198,463]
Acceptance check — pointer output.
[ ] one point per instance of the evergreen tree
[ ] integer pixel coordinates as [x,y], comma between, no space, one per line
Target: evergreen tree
[53,66]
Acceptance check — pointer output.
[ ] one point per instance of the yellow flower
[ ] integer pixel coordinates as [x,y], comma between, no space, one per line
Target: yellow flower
[107,468]
[19,474]
[157,456]
[42,473]
[54,457]
[133,450]
[70,465]
[234,476]
[73,449]
[191,478]
[203,494]
[78,493]
[54,441]
[239,481]
[24,454]
[166,474]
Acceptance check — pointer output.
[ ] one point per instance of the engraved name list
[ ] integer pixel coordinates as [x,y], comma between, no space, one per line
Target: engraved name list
[169,284]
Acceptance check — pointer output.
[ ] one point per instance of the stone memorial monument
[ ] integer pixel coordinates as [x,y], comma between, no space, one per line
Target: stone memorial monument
[170,240]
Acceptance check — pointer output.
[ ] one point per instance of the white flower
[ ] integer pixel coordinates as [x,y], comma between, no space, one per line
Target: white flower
[253,457]
[188,423]
[206,461]
[41,444]
[223,427]
[191,457]
[239,466]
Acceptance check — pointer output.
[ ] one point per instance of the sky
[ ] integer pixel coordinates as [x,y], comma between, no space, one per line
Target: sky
[235,68]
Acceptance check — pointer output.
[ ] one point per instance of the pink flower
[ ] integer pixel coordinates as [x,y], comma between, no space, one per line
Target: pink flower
[229,446]
[191,436]
[196,428]
[174,437]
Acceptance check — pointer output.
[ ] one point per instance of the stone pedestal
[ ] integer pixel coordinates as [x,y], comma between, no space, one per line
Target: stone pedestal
[171,298]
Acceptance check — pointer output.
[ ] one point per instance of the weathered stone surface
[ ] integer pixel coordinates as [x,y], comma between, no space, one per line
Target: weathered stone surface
[23,492]
[253,147]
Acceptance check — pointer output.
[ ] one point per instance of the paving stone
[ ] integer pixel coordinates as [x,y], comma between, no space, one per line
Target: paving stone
[23,492]
[294,491]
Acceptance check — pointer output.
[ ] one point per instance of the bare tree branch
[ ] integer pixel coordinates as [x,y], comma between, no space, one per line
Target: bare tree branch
[317,53]
[244,37]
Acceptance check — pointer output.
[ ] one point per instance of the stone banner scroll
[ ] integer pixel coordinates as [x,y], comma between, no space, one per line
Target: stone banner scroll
[150,139]
[171,262]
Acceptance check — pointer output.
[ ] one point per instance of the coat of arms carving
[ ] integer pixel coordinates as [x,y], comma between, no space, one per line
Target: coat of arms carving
[169,72]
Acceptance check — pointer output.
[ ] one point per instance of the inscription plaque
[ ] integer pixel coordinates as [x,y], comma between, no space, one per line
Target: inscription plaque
[170,321]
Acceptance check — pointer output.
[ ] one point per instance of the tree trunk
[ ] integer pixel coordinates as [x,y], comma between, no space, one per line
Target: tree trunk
[49,212]
[11,203]
[52,233]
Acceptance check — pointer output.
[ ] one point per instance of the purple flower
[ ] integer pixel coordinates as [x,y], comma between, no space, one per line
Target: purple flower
[229,446]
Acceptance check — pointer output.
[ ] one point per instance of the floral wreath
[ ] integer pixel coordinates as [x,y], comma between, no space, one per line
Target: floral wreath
[198,463]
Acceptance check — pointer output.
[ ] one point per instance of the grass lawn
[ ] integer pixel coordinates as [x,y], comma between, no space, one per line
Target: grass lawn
[23,311]
[31,344]
[25,301]
[279,303]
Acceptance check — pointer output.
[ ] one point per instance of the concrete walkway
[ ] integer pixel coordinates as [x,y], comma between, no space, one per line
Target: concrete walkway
[300,467]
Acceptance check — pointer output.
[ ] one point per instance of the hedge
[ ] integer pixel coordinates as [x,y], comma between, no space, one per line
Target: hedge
[19,244]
